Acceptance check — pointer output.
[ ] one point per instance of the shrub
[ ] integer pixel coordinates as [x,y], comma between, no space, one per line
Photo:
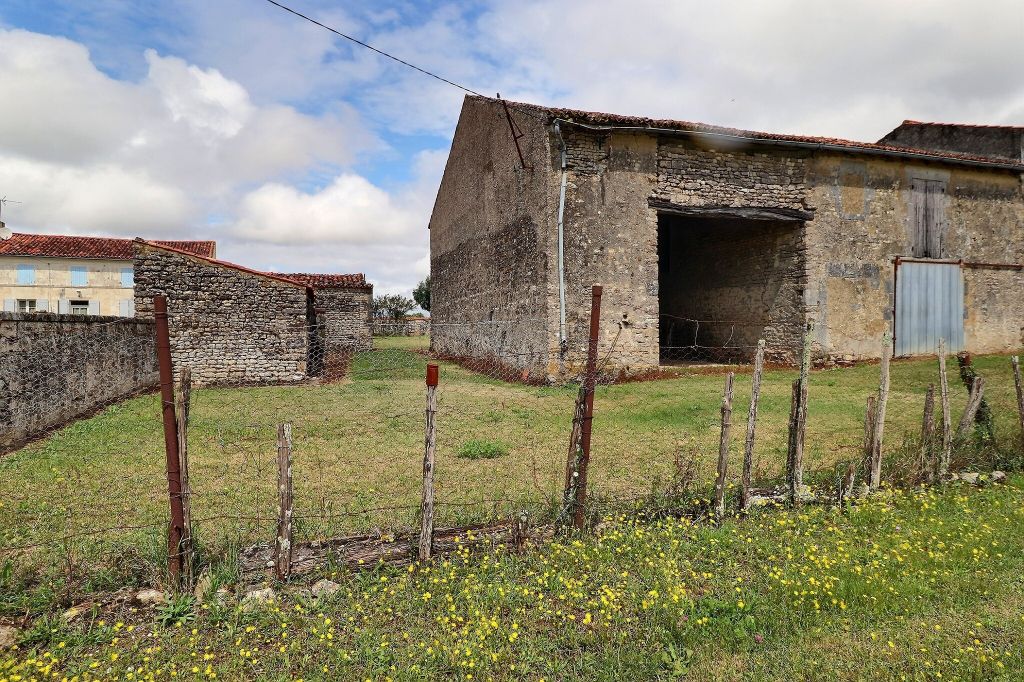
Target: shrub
[482,449]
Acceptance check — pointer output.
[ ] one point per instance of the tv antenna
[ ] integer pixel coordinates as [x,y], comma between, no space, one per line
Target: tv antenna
[3,202]
[4,232]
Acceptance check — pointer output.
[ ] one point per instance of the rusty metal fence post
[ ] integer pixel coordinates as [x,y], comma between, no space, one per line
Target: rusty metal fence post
[176,530]
[583,421]
[429,447]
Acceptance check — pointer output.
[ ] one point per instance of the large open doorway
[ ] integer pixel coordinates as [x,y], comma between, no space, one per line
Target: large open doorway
[724,283]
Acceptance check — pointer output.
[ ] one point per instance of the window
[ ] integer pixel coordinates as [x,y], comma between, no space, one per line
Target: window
[26,305]
[79,307]
[26,274]
[78,276]
[127,277]
[928,219]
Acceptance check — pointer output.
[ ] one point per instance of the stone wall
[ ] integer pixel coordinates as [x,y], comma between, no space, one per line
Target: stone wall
[228,324]
[491,248]
[345,317]
[56,368]
[863,222]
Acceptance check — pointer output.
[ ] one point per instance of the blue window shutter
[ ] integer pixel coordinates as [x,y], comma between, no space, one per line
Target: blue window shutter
[78,276]
[127,277]
[26,274]
[42,305]
[10,305]
[94,307]
[63,306]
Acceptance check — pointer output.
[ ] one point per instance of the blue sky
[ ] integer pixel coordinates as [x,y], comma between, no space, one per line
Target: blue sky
[297,150]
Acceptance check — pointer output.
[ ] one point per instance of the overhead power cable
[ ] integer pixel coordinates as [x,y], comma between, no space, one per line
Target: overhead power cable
[378,51]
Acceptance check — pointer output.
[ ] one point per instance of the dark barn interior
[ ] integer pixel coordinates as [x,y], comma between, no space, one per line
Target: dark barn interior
[725,282]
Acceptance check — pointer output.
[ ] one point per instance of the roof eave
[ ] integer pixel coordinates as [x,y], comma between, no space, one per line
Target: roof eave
[799,144]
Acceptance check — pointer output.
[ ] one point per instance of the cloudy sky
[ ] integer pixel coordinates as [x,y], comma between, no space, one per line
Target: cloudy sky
[296,150]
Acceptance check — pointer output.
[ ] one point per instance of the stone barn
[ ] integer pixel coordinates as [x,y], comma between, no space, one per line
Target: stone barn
[234,325]
[706,239]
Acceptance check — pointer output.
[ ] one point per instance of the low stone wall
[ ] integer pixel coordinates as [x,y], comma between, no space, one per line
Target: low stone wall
[230,325]
[56,368]
[418,326]
[345,317]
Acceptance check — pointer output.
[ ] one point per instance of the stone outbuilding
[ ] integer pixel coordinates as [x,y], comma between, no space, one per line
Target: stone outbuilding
[707,239]
[235,325]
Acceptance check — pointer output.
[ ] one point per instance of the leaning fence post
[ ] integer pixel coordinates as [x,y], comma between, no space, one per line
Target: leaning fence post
[182,408]
[429,446]
[283,547]
[974,399]
[879,425]
[1015,361]
[723,448]
[947,423]
[928,434]
[590,382]
[748,443]
[176,529]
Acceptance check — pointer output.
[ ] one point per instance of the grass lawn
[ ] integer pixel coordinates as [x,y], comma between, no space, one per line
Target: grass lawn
[923,584]
[84,509]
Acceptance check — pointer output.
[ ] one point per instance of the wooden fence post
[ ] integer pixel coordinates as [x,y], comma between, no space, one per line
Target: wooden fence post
[928,434]
[1015,361]
[947,423]
[183,400]
[869,436]
[176,529]
[796,477]
[429,446]
[879,420]
[977,394]
[748,443]
[794,410]
[723,448]
[283,546]
[846,484]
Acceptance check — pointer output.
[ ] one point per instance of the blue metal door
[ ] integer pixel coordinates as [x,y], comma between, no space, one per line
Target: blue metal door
[929,307]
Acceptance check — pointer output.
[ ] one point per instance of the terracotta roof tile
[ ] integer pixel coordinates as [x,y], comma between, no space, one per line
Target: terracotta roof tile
[326,281]
[994,126]
[223,263]
[617,120]
[69,246]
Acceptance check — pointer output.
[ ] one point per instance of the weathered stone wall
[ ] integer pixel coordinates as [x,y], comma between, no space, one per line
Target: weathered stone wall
[863,222]
[1004,142]
[345,317]
[490,247]
[56,368]
[227,324]
[618,185]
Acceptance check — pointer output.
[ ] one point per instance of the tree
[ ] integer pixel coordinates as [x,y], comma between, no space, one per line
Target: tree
[422,294]
[392,307]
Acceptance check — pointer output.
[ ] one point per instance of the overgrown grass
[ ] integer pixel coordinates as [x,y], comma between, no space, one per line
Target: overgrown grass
[919,585]
[84,510]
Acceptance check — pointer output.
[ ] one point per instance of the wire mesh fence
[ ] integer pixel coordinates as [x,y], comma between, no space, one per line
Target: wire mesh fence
[91,483]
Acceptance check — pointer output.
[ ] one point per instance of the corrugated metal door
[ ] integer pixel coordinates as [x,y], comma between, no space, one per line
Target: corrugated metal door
[929,307]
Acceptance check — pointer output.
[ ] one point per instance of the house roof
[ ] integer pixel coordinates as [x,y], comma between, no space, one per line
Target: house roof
[223,263]
[70,246]
[992,126]
[327,281]
[653,125]
[298,279]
